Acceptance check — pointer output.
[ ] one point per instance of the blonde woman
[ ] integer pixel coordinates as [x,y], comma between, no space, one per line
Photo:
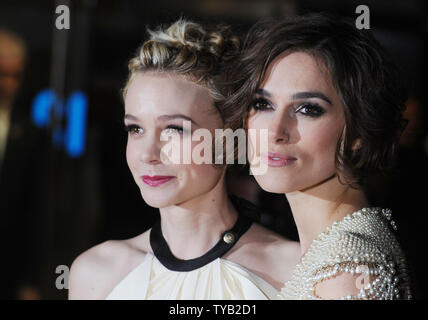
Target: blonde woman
[204,246]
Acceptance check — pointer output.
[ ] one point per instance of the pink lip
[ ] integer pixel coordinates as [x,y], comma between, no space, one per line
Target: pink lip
[156,180]
[278,159]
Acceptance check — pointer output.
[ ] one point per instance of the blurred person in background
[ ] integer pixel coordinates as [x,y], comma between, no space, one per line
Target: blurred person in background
[12,64]
[18,166]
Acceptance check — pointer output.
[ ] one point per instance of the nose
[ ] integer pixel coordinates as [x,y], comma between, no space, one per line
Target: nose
[150,150]
[278,131]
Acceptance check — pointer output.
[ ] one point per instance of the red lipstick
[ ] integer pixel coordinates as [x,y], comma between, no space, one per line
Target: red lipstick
[155,181]
[278,159]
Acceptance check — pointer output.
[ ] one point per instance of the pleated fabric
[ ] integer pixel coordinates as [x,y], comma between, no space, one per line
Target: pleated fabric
[218,280]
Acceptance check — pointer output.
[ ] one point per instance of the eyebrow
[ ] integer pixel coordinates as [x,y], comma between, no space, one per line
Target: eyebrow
[298,95]
[165,117]
[310,94]
[263,92]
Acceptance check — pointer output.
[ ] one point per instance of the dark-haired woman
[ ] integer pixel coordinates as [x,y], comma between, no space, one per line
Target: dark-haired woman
[331,102]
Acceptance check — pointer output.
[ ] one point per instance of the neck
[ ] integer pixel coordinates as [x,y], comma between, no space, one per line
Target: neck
[194,227]
[316,208]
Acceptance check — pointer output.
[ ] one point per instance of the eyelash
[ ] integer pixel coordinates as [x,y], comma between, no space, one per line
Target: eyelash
[316,110]
[175,128]
[130,128]
[257,102]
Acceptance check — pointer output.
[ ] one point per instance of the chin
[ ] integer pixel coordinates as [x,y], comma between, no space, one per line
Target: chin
[160,200]
[271,184]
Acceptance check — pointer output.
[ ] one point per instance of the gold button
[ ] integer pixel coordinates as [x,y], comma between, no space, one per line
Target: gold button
[229,237]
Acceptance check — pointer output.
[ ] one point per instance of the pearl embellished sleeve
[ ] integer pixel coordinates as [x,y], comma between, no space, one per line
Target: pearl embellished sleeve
[356,258]
[351,281]
[372,268]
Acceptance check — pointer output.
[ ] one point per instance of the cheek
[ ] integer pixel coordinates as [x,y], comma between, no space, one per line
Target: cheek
[131,156]
[320,143]
[198,176]
[257,121]
[255,124]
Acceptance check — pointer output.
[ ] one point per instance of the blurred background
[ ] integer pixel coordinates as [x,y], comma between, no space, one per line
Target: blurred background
[64,182]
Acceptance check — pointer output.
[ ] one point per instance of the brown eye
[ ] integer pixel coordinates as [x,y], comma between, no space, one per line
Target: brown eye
[133,129]
[261,104]
[310,110]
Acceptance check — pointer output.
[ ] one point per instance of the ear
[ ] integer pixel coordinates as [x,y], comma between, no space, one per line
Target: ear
[357,145]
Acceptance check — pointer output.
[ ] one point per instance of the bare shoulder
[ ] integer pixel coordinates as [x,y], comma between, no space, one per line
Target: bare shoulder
[267,253]
[273,239]
[269,244]
[95,272]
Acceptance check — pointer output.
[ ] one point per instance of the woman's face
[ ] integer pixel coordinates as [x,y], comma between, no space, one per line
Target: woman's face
[302,112]
[158,104]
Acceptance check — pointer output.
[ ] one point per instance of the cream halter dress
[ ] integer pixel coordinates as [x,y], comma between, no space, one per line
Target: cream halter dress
[218,280]
[161,276]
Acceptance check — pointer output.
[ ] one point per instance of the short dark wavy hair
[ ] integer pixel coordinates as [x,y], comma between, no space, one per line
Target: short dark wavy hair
[365,77]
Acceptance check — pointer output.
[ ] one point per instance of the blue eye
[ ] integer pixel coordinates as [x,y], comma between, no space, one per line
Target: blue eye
[310,110]
[261,104]
[133,129]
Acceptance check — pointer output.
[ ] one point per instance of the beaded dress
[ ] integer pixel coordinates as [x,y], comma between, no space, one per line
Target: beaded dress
[361,244]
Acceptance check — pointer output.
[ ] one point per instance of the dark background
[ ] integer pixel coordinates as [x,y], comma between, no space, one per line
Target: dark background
[53,207]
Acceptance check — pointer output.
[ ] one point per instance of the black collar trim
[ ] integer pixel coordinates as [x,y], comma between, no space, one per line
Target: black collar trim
[227,240]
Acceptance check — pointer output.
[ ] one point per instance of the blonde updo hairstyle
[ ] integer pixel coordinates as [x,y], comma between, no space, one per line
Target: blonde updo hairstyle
[188,49]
